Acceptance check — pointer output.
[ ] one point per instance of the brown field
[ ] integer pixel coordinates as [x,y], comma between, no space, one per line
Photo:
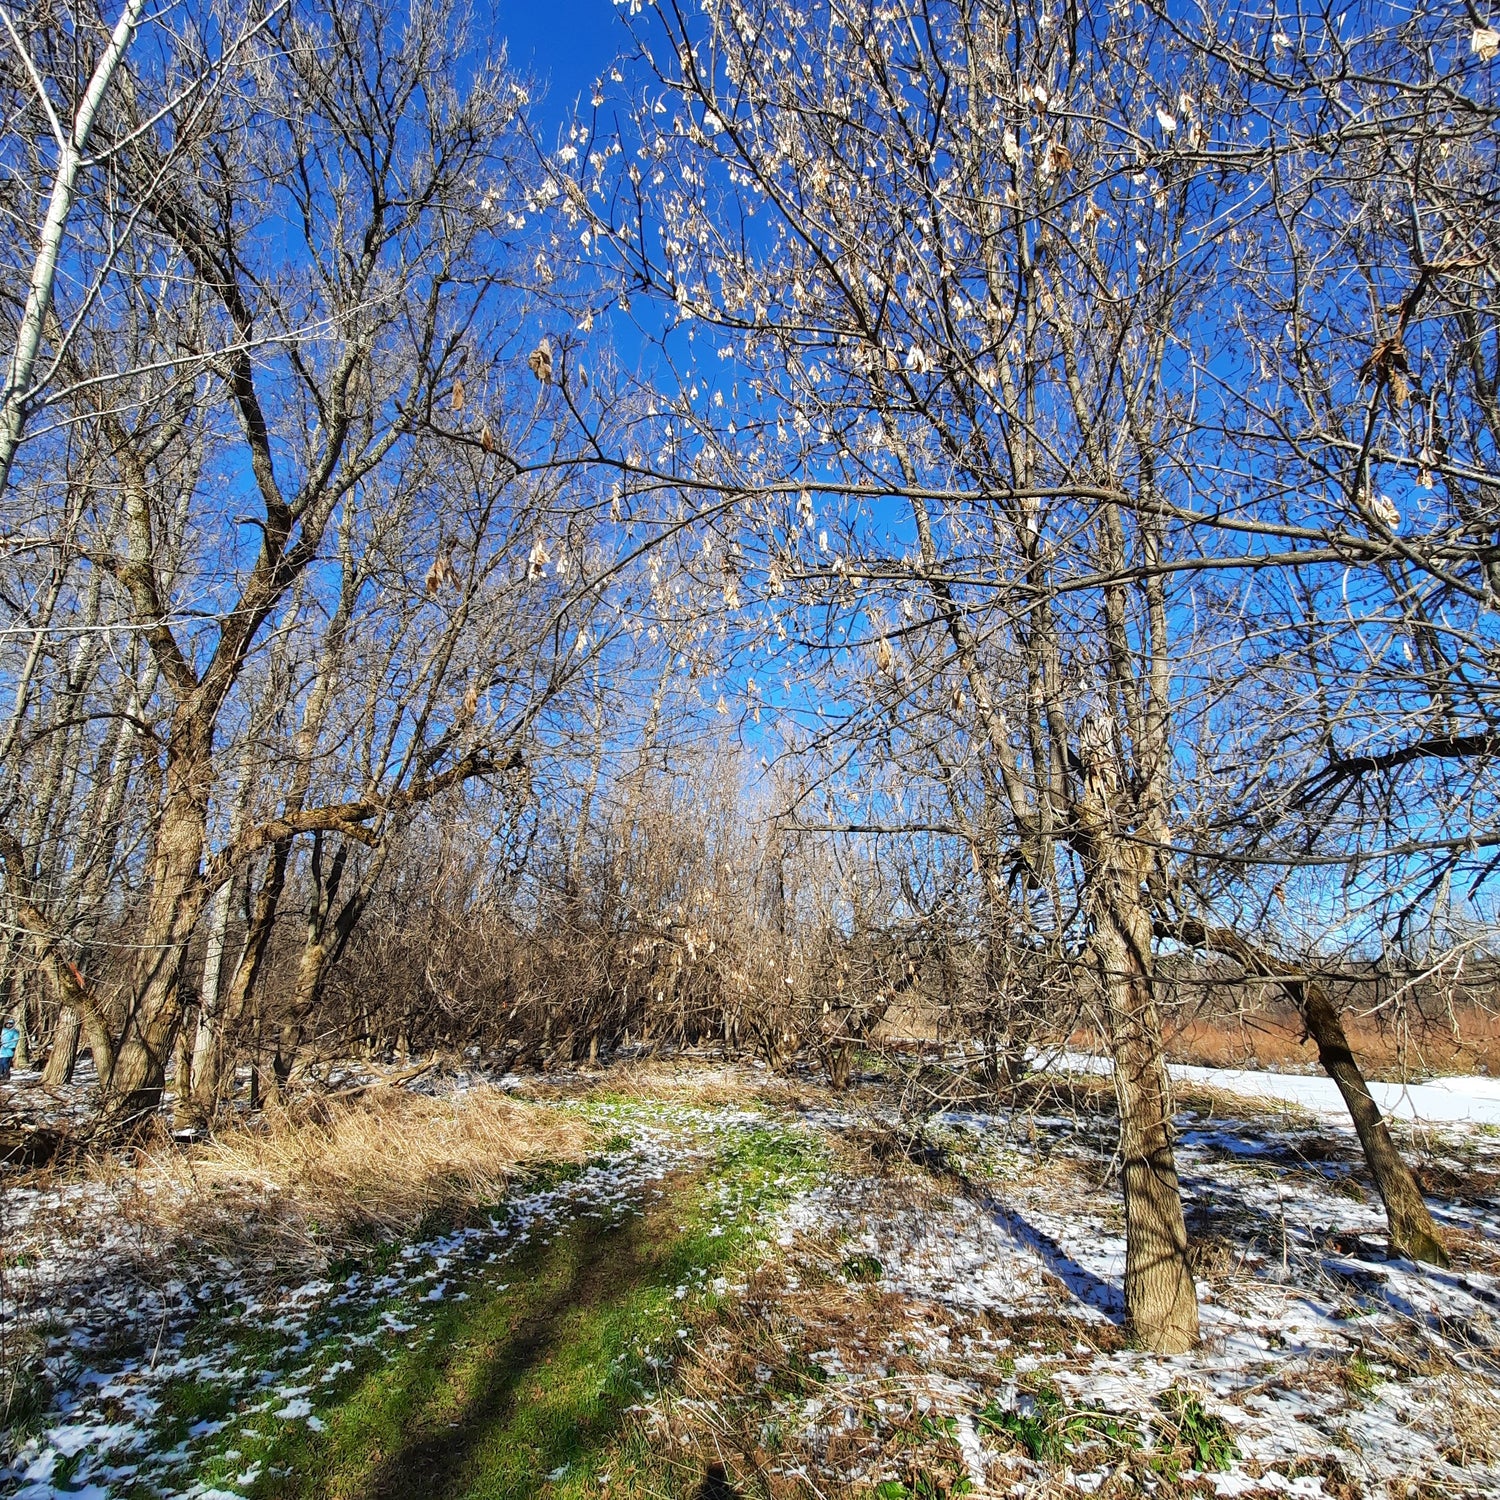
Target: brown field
[1467,1041]
[1463,1040]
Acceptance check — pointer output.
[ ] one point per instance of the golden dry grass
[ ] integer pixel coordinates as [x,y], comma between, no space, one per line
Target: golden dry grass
[374,1166]
[1469,1043]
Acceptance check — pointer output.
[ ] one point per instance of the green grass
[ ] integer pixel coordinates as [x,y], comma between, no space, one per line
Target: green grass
[1051,1428]
[1207,1440]
[861,1268]
[519,1387]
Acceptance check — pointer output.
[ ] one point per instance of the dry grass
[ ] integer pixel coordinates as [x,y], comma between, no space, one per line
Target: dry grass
[333,1174]
[690,1081]
[1469,1043]
[1475,1414]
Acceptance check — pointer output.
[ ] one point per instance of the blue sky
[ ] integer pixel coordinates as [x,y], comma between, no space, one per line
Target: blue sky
[565,44]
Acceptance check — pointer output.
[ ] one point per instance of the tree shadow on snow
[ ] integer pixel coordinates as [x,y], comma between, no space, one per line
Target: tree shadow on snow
[1089,1288]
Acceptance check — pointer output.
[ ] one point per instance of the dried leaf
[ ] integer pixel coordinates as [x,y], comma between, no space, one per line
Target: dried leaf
[458,393]
[885,658]
[1386,365]
[540,360]
[1485,42]
[442,570]
[1094,216]
[486,437]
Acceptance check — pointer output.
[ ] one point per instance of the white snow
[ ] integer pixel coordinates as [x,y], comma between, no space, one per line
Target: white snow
[1440,1101]
[1036,1238]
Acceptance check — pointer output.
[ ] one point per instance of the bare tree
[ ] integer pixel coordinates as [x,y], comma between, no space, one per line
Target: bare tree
[958,303]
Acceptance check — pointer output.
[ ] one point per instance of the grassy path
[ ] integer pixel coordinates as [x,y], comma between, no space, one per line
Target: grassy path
[519,1381]
[498,1360]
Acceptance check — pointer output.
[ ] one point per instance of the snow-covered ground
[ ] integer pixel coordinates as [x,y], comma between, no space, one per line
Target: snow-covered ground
[1329,1363]
[942,1304]
[1440,1101]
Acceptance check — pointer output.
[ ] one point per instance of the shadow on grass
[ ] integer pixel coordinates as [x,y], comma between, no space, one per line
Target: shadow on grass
[716,1485]
[519,1384]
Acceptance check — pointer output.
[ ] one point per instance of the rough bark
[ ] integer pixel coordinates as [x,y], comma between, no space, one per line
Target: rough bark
[64,1056]
[1161,1301]
[176,903]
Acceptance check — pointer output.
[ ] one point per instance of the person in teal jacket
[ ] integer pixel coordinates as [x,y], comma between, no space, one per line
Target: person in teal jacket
[10,1039]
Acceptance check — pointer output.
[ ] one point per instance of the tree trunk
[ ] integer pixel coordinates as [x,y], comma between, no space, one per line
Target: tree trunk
[1412,1231]
[177,899]
[257,1037]
[66,979]
[182,1069]
[326,938]
[209,1062]
[207,1038]
[1409,1223]
[141,1068]
[1161,1301]
[23,1046]
[16,395]
[64,1056]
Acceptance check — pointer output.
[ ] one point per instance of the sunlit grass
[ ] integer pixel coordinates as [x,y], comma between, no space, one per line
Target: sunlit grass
[518,1381]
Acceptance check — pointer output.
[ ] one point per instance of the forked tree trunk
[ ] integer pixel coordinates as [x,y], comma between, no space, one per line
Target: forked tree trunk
[326,938]
[1412,1231]
[79,1020]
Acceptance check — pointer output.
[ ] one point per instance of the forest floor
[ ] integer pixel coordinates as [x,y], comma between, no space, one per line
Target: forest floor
[694,1279]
